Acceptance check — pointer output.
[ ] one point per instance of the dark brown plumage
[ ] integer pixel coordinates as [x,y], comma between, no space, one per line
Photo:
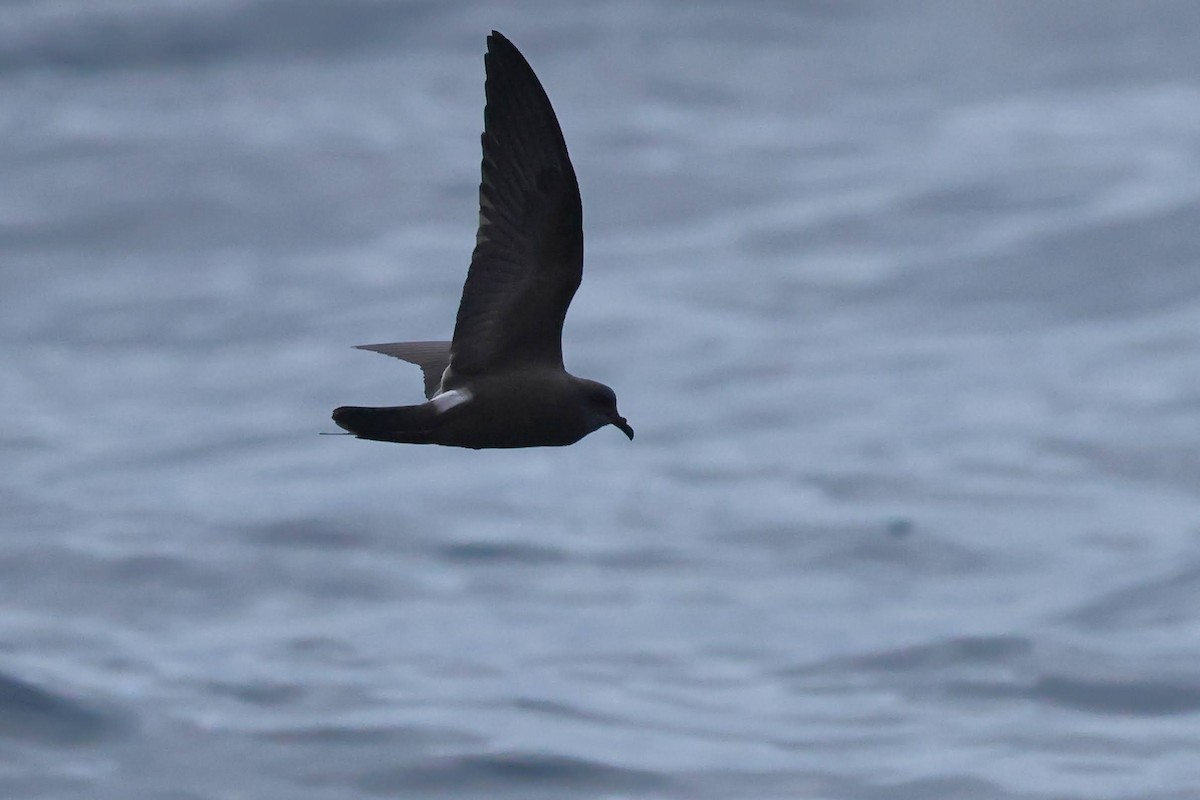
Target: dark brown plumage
[501,382]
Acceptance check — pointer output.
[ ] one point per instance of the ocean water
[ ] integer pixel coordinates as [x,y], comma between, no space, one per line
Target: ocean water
[902,299]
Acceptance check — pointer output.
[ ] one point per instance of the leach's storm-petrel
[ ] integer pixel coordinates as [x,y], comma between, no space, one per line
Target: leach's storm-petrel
[501,381]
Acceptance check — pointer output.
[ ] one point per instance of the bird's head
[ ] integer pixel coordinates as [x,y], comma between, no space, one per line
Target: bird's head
[602,407]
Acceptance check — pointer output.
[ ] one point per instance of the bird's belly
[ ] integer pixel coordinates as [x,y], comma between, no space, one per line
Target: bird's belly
[512,419]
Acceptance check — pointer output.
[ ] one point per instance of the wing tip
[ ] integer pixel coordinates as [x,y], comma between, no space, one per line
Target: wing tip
[500,46]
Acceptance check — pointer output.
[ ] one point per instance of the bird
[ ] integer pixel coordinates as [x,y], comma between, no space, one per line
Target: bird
[501,382]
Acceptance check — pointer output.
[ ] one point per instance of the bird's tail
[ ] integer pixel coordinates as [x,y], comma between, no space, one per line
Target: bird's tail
[410,424]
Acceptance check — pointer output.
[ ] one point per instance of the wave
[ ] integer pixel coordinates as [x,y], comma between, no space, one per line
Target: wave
[530,774]
[31,712]
[1148,697]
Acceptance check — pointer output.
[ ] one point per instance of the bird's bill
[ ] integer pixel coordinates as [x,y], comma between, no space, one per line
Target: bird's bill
[624,426]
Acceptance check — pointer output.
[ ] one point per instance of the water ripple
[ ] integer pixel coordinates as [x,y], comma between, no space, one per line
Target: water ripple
[31,712]
[514,774]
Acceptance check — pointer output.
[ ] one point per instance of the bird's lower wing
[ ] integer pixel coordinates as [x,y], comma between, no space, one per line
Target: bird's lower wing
[431,357]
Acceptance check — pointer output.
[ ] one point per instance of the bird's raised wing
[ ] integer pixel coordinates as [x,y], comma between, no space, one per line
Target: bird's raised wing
[528,257]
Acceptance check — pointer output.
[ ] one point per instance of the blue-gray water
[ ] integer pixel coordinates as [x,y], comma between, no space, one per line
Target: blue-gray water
[903,300]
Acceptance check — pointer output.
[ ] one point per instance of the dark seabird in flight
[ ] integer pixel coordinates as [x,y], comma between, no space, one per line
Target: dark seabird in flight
[501,381]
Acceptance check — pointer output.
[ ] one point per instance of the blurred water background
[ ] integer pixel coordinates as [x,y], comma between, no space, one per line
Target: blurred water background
[902,299]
